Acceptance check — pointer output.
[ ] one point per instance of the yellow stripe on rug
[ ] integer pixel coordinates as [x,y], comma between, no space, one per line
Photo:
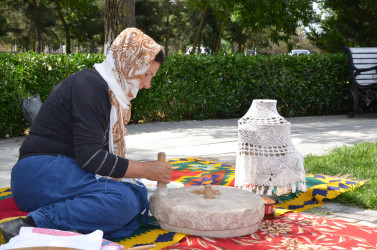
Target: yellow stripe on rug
[159,237]
[319,187]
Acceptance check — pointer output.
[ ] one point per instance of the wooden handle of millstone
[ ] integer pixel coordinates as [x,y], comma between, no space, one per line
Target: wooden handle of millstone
[208,194]
[161,187]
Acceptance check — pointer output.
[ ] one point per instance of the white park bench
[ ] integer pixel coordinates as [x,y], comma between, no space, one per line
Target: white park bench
[362,64]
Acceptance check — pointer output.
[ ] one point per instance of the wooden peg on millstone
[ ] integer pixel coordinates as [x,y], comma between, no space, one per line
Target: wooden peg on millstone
[162,189]
[208,194]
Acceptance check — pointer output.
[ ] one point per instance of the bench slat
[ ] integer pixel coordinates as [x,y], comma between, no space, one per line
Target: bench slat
[363,56]
[367,76]
[366,50]
[364,66]
[370,76]
[365,61]
[366,82]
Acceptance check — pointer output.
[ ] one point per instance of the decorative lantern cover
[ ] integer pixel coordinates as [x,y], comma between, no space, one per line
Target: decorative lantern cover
[266,158]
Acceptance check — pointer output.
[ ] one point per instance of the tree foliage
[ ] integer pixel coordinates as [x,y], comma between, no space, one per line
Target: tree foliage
[35,23]
[280,16]
[170,23]
[176,24]
[26,19]
[347,23]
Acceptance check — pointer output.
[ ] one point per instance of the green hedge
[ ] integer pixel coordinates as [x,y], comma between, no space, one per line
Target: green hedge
[25,74]
[192,87]
[202,87]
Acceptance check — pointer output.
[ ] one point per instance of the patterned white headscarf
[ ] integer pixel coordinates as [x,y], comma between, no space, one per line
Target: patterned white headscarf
[128,58]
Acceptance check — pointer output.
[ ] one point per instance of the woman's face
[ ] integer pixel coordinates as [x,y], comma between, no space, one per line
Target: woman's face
[151,72]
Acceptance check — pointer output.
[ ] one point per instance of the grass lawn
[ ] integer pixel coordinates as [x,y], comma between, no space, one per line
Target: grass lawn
[357,162]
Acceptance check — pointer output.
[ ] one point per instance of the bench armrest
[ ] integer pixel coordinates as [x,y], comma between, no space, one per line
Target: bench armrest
[347,50]
[358,71]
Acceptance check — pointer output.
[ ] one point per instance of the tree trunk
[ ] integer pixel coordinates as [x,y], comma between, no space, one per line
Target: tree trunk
[101,43]
[200,42]
[167,37]
[38,40]
[91,46]
[240,48]
[66,29]
[220,35]
[198,35]
[288,45]
[119,15]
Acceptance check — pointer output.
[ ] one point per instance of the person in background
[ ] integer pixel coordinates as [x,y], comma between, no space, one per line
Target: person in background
[72,173]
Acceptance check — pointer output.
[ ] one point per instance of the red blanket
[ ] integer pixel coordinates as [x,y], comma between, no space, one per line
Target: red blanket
[292,231]
[8,207]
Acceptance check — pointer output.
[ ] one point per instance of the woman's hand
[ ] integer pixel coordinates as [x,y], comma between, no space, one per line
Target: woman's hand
[158,171]
[151,170]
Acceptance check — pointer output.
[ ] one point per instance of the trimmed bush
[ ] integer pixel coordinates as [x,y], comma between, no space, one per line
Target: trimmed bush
[25,74]
[192,87]
[209,87]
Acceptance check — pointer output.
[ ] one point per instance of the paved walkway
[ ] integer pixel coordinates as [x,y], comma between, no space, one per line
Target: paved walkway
[217,140]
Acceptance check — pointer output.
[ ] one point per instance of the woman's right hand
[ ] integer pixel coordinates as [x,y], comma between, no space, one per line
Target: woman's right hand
[158,171]
[151,170]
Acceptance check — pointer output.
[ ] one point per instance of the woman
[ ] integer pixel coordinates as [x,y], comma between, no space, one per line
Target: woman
[78,138]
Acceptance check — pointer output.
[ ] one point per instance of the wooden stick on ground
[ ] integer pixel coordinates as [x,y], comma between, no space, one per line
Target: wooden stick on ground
[143,247]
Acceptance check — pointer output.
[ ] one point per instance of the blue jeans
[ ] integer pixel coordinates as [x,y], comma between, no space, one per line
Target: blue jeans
[59,194]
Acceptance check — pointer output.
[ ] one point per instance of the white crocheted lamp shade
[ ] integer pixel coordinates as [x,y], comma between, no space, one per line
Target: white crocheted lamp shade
[266,159]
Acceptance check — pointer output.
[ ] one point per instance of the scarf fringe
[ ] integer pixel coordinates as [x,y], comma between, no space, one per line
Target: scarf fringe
[279,190]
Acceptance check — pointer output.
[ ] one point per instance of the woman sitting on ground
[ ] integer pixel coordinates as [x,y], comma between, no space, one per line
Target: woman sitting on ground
[77,142]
